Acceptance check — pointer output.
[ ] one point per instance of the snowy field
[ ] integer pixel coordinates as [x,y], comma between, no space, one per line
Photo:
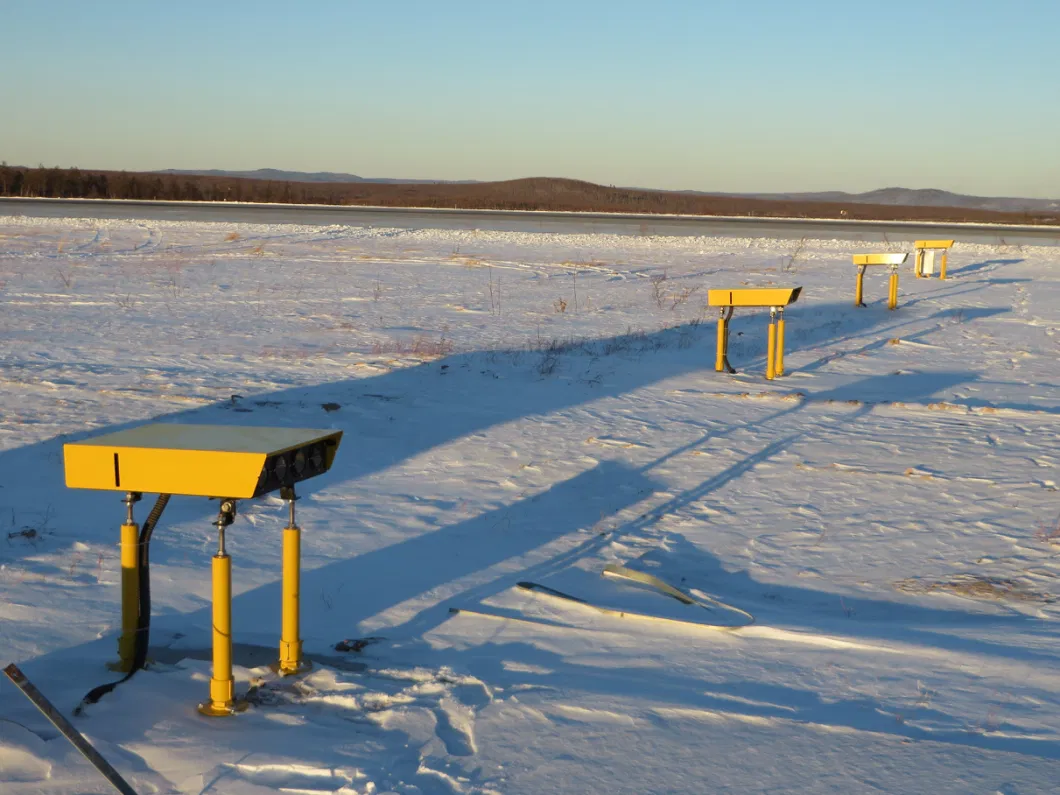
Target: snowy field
[534,407]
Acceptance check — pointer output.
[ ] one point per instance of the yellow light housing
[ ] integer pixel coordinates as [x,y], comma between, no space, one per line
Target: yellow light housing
[773,298]
[200,460]
[754,296]
[880,259]
[924,264]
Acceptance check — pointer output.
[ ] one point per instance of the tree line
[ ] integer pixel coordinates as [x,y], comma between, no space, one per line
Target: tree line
[75,183]
[537,193]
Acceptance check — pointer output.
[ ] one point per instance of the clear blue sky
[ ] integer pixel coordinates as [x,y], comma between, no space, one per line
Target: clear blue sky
[727,95]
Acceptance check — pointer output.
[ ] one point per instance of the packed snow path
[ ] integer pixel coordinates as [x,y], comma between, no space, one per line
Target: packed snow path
[534,407]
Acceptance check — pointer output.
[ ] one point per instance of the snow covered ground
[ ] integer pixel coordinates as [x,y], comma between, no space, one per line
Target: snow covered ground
[533,407]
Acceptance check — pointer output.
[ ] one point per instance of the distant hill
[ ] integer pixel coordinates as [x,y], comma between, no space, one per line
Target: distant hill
[913,197]
[893,197]
[278,175]
[538,193]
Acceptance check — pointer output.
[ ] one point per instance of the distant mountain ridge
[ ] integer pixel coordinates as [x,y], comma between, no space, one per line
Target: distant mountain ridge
[914,197]
[543,194]
[895,197]
[279,175]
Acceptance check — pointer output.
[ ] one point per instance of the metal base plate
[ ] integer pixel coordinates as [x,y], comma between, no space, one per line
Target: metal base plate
[208,709]
[304,666]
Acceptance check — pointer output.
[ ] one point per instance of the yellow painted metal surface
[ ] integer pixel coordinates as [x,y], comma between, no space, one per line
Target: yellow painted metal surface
[754,296]
[929,245]
[771,350]
[198,460]
[209,438]
[892,299]
[222,683]
[130,596]
[719,359]
[880,259]
[774,340]
[779,368]
[290,638]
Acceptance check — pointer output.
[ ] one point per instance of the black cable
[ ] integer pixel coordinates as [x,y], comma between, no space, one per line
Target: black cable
[143,618]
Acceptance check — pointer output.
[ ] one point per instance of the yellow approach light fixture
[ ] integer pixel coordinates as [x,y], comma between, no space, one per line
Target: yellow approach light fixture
[200,460]
[863,261]
[773,298]
[218,461]
[926,250]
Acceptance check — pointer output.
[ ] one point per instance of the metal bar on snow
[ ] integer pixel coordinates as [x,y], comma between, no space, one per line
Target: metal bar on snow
[69,732]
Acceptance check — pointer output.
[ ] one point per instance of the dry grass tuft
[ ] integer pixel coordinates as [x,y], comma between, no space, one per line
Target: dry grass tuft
[576,264]
[467,261]
[976,586]
[420,345]
[1048,533]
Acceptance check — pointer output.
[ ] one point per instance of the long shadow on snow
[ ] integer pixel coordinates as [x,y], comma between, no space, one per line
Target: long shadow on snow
[940,317]
[365,585]
[391,417]
[479,554]
[703,565]
[383,579]
[386,418]
[430,406]
[832,323]
[804,610]
[371,451]
[985,265]
[735,698]
[835,323]
[419,398]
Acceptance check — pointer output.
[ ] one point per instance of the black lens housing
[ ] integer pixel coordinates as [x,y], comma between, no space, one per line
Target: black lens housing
[293,466]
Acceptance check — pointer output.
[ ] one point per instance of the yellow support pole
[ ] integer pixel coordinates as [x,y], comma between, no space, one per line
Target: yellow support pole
[893,299]
[222,684]
[130,596]
[859,288]
[918,263]
[942,265]
[290,642]
[780,345]
[721,362]
[130,586]
[771,346]
[723,340]
[291,661]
